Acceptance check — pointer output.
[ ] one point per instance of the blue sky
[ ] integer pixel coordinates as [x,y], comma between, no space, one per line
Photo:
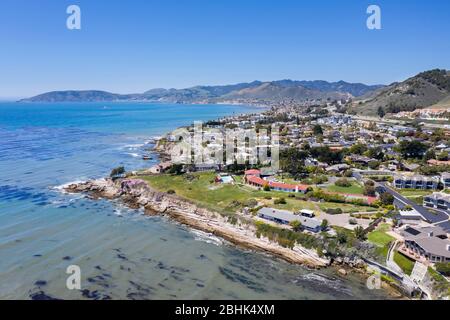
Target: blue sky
[132,46]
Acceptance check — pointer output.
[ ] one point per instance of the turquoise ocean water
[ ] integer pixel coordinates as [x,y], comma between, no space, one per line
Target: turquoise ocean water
[122,254]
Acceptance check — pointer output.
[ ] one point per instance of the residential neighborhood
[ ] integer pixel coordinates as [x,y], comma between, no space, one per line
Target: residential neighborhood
[367,179]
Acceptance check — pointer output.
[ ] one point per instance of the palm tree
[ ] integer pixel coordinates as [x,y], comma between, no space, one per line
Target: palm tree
[360,234]
[296,225]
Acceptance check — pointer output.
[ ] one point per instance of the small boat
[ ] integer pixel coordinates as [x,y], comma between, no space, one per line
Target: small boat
[145,157]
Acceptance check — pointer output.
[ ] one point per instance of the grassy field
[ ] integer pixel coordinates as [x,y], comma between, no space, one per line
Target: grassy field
[353,189]
[346,208]
[406,264]
[202,190]
[381,239]
[414,193]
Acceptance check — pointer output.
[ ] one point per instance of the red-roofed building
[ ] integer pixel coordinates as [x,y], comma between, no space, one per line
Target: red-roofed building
[253,172]
[434,162]
[252,178]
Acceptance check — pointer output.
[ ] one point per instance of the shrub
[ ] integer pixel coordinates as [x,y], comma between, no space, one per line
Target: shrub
[171,191]
[251,203]
[345,183]
[341,237]
[443,268]
[280,201]
[348,173]
[266,188]
[117,172]
[334,211]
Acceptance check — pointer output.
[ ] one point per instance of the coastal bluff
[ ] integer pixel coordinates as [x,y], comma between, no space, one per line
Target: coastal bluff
[136,193]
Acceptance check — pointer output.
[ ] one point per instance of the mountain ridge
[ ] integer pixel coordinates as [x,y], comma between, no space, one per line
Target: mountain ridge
[421,91]
[255,90]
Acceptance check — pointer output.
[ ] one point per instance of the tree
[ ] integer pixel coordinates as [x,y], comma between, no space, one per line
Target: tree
[443,156]
[381,112]
[443,268]
[358,148]
[324,154]
[266,187]
[292,160]
[412,149]
[375,153]
[430,154]
[342,237]
[117,172]
[387,199]
[296,225]
[317,130]
[176,169]
[324,225]
[374,165]
[360,234]
[369,191]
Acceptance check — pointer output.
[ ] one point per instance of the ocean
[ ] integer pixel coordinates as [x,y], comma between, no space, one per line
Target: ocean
[122,254]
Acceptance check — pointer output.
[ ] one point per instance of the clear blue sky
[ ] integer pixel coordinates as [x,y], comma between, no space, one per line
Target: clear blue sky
[135,45]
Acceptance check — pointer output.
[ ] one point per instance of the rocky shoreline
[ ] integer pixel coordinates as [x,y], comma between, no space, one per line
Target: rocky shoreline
[136,193]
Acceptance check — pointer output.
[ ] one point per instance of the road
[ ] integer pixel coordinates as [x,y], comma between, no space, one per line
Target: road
[438,217]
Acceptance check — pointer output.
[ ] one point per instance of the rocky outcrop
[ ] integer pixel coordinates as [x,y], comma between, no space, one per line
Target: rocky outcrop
[137,193]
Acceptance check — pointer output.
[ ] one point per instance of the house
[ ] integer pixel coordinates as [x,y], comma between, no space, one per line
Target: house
[416,182]
[410,166]
[437,200]
[253,178]
[337,168]
[430,244]
[278,216]
[286,217]
[360,159]
[445,179]
[409,217]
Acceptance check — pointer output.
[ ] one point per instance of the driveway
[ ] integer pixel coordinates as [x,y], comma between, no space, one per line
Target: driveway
[341,220]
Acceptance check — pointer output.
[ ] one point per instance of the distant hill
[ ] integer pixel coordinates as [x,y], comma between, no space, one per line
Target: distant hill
[78,96]
[276,91]
[256,90]
[421,91]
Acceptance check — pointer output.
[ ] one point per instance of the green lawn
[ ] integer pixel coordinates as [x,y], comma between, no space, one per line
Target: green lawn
[379,237]
[405,263]
[414,193]
[353,189]
[203,191]
[346,207]
[220,197]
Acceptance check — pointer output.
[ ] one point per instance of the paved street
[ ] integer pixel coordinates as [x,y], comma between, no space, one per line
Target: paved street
[437,217]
